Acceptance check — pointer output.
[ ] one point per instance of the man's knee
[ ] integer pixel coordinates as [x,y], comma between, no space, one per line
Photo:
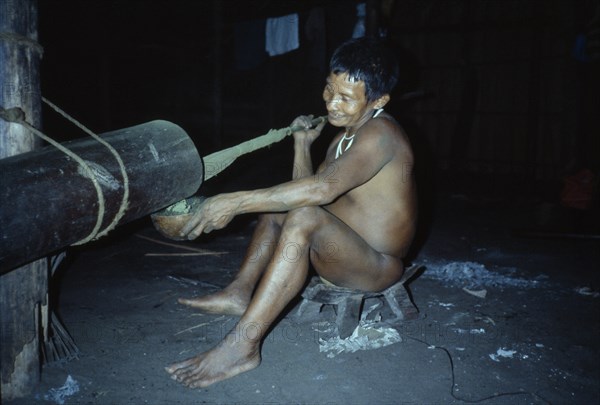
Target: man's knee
[305,219]
[271,220]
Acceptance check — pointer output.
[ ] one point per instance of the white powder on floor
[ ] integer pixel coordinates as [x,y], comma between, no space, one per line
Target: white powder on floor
[475,275]
[366,336]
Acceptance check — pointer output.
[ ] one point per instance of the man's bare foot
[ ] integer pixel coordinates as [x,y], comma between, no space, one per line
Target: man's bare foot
[226,360]
[225,302]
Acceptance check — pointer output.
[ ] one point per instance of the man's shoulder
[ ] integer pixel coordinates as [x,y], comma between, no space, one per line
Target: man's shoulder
[384,129]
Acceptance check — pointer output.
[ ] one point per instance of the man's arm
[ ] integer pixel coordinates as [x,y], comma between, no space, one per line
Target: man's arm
[216,212]
[302,143]
[367,156]
[302,159]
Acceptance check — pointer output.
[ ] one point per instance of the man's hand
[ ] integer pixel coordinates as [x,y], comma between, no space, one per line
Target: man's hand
[214,213]
[308,134]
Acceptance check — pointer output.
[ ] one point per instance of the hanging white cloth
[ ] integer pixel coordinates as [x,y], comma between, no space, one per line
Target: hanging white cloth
[282,34]
[361,16]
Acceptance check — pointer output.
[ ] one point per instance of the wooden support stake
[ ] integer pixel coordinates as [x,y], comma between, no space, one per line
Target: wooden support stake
[23,291]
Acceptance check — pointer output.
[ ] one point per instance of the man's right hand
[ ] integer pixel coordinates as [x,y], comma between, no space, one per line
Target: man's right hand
[307,134]
[214,213]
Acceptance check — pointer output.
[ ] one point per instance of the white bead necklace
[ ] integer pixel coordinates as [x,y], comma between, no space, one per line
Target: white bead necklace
[340,148]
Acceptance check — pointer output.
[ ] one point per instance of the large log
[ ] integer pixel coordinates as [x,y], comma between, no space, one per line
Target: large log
[48,202]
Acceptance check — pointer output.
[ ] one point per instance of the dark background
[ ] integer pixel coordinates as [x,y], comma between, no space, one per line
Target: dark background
[494,94]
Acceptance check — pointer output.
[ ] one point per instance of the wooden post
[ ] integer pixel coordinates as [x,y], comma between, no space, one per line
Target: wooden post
[23,291]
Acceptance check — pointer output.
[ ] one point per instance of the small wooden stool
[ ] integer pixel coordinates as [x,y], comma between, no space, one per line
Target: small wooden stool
[348,303]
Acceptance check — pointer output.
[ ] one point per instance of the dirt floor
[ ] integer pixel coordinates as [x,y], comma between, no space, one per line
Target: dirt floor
[533,338]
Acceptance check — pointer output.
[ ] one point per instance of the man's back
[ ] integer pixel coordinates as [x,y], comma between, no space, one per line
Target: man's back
[383,209]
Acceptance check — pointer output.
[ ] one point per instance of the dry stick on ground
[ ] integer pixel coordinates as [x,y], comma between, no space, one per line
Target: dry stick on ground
[184,254]
[58,343]
[199,325]
[198,251]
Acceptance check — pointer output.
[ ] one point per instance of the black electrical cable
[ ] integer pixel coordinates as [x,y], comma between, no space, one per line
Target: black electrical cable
[474,401]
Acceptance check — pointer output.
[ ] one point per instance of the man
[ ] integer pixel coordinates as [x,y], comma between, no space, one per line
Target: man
[353,219]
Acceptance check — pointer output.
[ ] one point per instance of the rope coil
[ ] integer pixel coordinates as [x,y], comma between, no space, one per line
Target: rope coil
[22,40]
[17,115]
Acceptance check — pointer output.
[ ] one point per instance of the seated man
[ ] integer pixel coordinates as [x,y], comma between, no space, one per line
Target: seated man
[353,219]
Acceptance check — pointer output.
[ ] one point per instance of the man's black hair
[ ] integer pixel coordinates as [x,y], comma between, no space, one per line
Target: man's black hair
[368,60]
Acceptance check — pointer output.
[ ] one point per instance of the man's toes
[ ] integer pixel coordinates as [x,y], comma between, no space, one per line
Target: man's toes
[182,374]
[190,379]
[178,367]
[171,369]
[191,382]
[196,384]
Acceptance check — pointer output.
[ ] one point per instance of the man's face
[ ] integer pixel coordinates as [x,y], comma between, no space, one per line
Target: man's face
[346,101]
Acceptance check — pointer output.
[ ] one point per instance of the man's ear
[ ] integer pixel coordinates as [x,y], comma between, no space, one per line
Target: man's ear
[382,101]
